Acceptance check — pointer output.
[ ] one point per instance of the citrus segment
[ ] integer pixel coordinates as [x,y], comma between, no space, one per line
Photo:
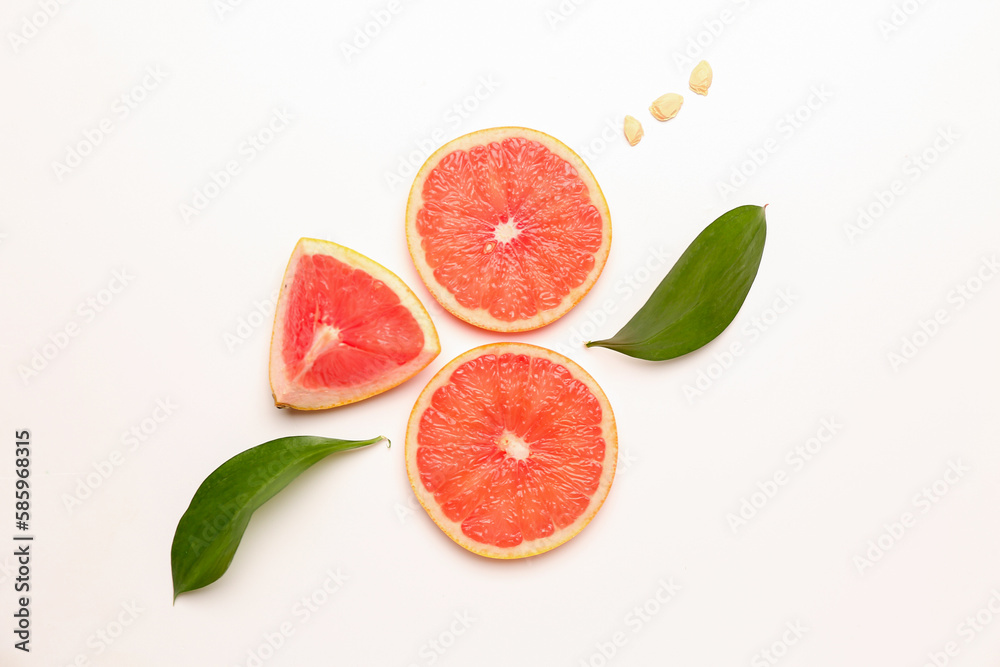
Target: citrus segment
[345,328]
[511,449]
[507,228]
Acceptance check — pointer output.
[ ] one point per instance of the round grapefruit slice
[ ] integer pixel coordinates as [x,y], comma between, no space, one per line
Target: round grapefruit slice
[511,449]
[507,228]
[345,328]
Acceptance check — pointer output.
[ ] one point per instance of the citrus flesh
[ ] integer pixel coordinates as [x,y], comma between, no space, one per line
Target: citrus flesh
[508,228]
[511,449]
[345,328]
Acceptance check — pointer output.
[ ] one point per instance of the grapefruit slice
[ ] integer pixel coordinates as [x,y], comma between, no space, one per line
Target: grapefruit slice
[511,449]
[345,328]
[507,228]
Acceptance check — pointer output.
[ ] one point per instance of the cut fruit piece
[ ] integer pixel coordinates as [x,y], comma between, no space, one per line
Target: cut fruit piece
[345,328]
[507,228]
[511,449]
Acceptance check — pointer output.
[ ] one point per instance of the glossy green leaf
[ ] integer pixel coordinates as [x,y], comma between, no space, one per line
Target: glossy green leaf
[211,529]
[701,295]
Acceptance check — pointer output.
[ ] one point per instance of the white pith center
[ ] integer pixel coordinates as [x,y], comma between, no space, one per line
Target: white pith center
[506,232]
[514,447]
[324,337]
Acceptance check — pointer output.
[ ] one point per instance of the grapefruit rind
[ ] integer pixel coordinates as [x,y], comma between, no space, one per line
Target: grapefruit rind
[286,394]
[481,317]
[453,529]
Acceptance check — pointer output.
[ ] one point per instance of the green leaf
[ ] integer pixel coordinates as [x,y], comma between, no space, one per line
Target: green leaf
[211,529]
[701,295]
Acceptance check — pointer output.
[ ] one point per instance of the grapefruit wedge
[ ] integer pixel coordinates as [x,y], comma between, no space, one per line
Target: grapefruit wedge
[511,449]
[507,228]
[345,328]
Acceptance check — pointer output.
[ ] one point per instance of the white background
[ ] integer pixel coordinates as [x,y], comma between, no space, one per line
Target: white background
[685,463]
